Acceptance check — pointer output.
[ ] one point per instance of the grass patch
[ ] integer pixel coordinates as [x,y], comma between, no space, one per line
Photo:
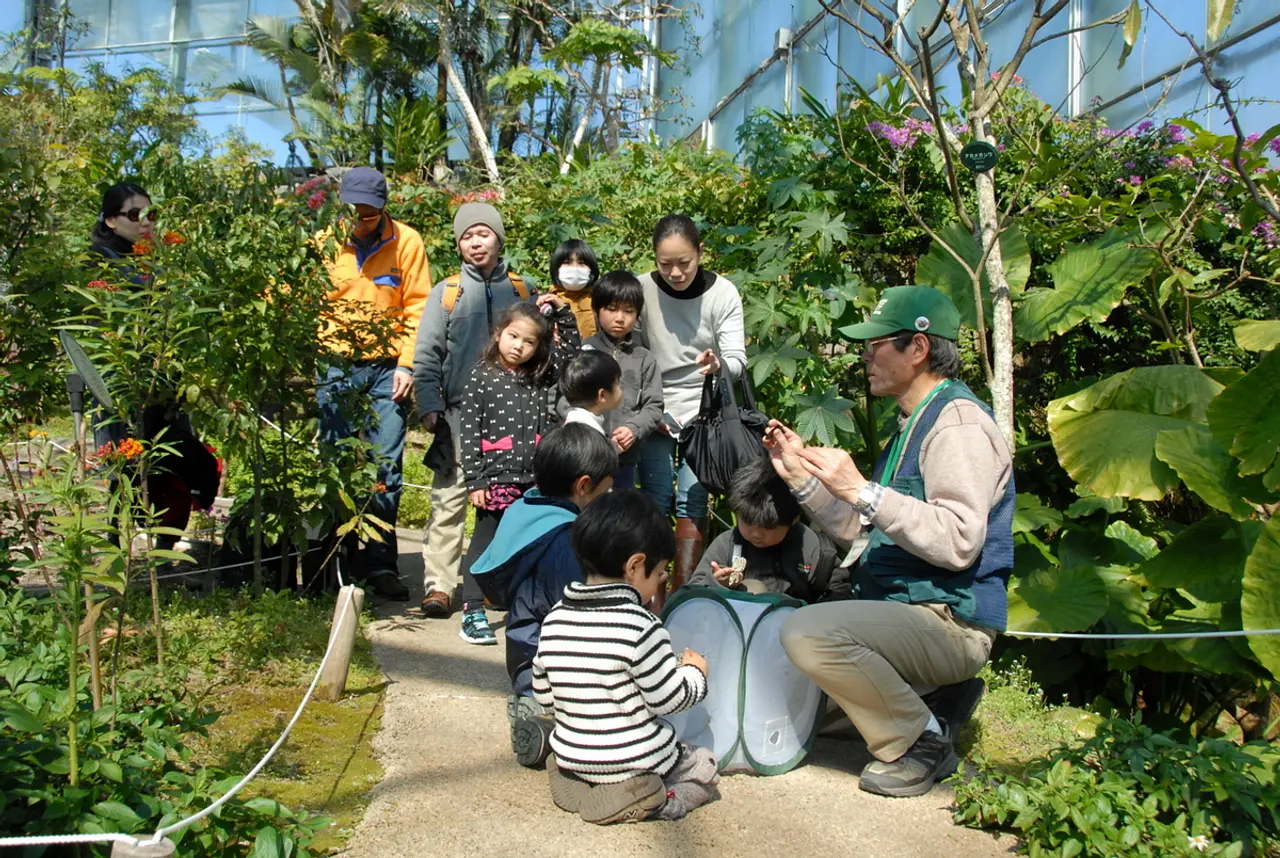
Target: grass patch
[1014,726]
[415,504]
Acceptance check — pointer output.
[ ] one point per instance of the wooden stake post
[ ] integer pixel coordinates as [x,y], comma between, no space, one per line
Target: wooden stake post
[333,681]
[163,849]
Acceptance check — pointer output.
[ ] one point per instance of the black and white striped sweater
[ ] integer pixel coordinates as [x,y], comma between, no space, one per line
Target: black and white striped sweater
[606,665]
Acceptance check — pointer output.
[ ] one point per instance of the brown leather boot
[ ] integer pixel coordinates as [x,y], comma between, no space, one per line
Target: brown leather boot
[688,551]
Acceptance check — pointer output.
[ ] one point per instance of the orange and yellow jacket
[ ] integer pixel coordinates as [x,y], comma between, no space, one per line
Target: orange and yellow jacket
[580,303]
[392,277]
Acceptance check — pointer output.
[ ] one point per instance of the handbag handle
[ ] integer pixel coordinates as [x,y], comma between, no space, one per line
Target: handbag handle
[708,406]
[748,395]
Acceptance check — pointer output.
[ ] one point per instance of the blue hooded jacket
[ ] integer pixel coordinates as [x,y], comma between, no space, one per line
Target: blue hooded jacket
[526,568]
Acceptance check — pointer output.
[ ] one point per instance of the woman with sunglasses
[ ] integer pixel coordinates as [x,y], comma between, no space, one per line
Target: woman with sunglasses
[126,218]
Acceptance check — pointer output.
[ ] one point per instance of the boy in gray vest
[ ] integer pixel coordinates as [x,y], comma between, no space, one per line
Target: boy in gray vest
[934,532]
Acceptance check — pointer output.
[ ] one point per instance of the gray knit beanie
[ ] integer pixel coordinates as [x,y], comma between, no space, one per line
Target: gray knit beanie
[471,214]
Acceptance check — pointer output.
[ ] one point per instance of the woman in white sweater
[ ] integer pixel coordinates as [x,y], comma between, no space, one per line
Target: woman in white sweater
[692,324]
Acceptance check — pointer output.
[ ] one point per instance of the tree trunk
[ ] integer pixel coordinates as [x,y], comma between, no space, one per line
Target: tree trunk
[988,235]
[442,99]
[581,130]
[378,159]
[479,139]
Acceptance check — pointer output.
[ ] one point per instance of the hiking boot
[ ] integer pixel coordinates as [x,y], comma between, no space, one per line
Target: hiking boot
[532,741]
[954,705]
[632,800]
[388,586]
[928,761]
[567,789]
[520,707]
[475,628]
[437,605]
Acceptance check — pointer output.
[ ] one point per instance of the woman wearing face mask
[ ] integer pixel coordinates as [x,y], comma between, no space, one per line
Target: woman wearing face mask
[692,325]
[126,218]
[573,272]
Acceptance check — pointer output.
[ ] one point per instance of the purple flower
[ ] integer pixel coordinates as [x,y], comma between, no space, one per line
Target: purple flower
[1266,231]
[1108,134]
[1177,133]
[1252,138]
[1274,145]
[1135,180]
[1129,165]
[1145,126]
[898,138]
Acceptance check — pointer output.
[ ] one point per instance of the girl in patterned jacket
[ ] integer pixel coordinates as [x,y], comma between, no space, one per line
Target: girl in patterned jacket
[508,407]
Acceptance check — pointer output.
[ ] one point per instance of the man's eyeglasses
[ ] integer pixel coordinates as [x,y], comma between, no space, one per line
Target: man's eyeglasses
[148,214]
[872,345]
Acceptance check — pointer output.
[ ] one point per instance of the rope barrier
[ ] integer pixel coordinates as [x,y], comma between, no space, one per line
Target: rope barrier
[1167,636]
[59,839]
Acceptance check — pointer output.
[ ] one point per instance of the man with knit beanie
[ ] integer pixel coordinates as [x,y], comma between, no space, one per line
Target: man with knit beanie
[455,329]
[933,532]
[381,272]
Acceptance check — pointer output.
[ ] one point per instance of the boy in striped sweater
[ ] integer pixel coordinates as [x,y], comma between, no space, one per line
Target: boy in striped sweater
[606,666]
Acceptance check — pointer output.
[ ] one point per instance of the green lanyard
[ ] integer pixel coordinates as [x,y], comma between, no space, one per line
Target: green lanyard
[900,440]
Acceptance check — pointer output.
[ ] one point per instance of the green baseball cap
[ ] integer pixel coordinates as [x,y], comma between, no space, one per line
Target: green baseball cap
[921,309]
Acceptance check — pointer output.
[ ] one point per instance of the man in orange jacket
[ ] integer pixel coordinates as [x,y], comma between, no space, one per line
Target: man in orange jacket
[381,274]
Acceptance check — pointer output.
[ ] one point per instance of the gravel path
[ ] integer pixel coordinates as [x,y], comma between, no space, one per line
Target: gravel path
[452,787]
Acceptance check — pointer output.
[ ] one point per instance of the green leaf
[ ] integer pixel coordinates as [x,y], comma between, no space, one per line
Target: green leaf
[1088,283]
[267,844]
[1260,599]
[1138,545]
[1132,26]
[1105,435]
[117,812]
[1245,418]
[269,807]
[938,268]
[111,771]
[1031,515]
[22,720]
[1090,503]
[1218,18]
[1057,600]
[819,224]
[820,416]
[1207,559]
[1208,470]
[1258,336]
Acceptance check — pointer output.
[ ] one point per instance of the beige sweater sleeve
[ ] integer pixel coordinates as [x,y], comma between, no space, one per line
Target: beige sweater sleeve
[966,465]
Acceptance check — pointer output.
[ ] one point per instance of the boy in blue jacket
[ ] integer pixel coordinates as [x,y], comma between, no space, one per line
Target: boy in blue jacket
[530,562]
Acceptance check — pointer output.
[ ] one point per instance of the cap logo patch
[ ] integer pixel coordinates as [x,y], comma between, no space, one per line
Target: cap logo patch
[922,323]
[879,306]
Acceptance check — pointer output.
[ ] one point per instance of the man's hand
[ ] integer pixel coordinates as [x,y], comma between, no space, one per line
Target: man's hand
[836,470]
[709,362]
[431,421]
[784,448]
[401,384]
[479,498]
[696,659]
[624,438]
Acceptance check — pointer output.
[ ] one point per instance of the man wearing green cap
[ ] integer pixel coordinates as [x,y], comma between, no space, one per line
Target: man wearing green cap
[933,532]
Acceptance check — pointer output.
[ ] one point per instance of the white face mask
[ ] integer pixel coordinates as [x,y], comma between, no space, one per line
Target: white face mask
[574,277]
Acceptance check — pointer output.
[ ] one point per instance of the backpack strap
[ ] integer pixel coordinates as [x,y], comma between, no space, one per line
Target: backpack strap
[453,290]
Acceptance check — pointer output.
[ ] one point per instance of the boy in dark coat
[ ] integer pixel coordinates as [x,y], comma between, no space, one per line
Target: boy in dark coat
[530,561]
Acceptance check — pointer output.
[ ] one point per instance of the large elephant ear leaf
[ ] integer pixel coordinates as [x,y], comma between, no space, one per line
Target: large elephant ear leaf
[1105,435]
[1245,419]
[1260,599]
[1088,283]
[940,269]
[1052,599]
[1210,471]
[1207,559]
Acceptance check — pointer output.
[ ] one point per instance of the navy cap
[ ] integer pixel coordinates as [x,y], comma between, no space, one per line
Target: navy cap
[364,185]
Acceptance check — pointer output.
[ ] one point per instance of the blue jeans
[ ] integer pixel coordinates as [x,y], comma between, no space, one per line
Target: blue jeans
[384,428]
[658,472]
[626,476]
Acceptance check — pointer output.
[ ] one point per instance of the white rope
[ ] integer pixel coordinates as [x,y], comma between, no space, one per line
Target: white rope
[306,698]
[416,486]
[1167,636]
[57,839]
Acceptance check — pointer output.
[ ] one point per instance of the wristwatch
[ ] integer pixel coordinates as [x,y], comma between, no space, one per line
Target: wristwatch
[868,499]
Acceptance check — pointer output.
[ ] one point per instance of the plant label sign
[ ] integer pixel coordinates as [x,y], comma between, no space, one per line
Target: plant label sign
[979,156]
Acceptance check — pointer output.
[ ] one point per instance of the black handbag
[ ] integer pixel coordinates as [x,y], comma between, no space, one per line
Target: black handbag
[724,436]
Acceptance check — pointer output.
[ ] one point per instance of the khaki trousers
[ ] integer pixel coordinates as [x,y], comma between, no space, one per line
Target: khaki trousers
[442,541]
[867,655]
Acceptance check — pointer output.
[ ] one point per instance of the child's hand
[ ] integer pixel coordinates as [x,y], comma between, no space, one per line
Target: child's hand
[624,438]
[480,498]
[696,659]
[547,298]
[728,576]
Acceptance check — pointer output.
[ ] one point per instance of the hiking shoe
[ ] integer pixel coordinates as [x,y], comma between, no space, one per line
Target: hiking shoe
[567,789]
[475,628]
[437,605]
[532,741]
[928,761]
[632,800]
[388,586]
[519,708]
[954,705]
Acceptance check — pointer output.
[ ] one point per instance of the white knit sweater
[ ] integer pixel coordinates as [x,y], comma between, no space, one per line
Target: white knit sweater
[677,329]
[606,666]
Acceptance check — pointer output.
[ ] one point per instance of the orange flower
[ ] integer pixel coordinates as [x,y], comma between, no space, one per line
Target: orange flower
[141,248]
[380,488]
[172,238]
[129,448]
[103,285]
[106,450]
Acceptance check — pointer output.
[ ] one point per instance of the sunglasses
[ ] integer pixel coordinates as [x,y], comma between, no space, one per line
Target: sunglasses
[149,214]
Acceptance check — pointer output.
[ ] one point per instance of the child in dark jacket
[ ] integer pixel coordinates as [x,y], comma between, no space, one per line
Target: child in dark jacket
[617,300]
[504,414]
[529,562]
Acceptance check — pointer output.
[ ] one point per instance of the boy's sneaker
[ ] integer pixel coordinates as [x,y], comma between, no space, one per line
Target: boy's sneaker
[475,628]
[632,800]
[567,790]
[532,741]
[520,707]
[928,761]
[954,705]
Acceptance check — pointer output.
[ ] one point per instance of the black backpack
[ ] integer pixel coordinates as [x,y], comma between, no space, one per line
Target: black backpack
[724,436]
